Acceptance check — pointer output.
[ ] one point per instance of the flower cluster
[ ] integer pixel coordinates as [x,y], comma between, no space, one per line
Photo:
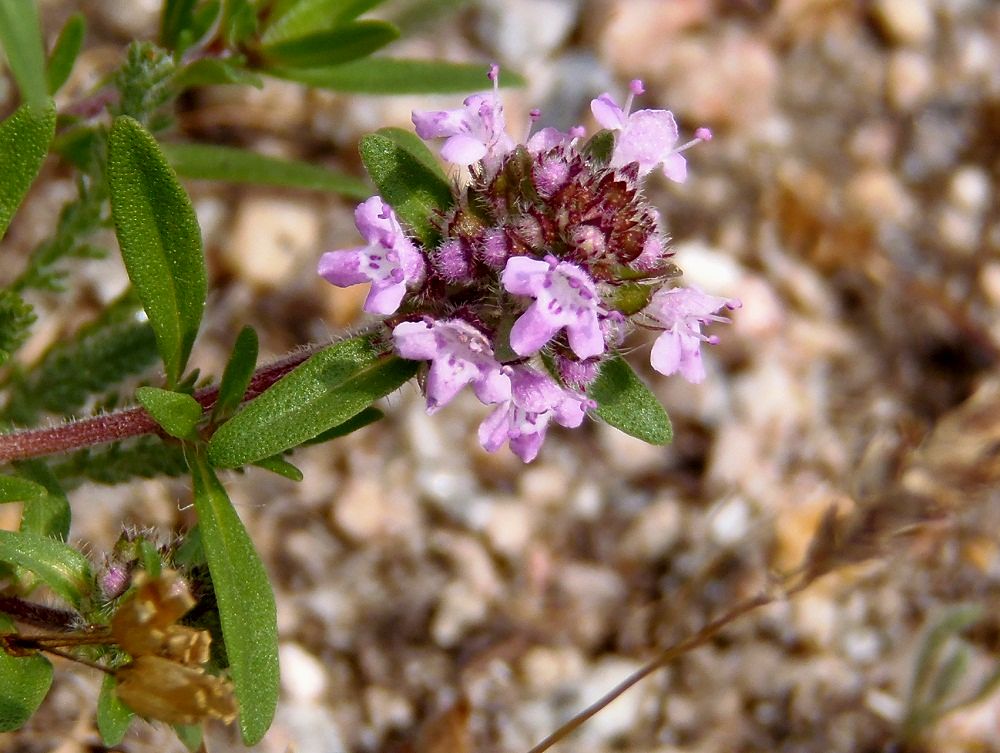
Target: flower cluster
[547,257]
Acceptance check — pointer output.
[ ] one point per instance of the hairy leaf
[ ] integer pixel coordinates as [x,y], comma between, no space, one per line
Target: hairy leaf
[417,193]
[24,683]
[211,162]
[47,513]
[160,240]
[113,716]
[397,76]
[331,387]
[176,413]
[16,318]
[208,71]
[245,601]
[60,567]
[238,373]
[409,142]
[24,141]
[624,402]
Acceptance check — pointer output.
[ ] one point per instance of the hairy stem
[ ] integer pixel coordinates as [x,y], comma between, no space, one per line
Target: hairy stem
[124,424]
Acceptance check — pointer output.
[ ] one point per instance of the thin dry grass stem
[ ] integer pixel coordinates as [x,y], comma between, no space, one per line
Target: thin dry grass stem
[955,467]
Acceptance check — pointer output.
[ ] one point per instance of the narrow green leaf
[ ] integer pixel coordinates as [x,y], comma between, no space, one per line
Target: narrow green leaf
[334,385]
[416,193]
[410,142]
[60,567]
[351,425]
[24,141]
[47,514]
[281,467]
[309,16]
[21,40]
[624,402]
[245,601]
[239,21]
[209,71]
[14,489]
[211,162]
[952,622]
[24,683]
[65,51]
[351,41]
[176,17]
[398,76]
[113,716]
[176,413]
[238,373]
[159,239]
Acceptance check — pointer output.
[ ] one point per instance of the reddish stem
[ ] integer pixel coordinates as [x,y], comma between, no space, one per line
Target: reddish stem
[132,422]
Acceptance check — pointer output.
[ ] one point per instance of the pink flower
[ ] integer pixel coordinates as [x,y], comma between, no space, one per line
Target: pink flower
[459,354]
[564,295]
[647,137]
[680,312]
[474,132]
[390,261]
[535,400]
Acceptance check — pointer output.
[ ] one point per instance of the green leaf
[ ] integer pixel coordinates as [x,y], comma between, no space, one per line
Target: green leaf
[60,567]
[239,21]
[416,193]
[209,71]
[176,17]
[160,240]
[113,716]
[14,489]
[190,735]
[245,601]
[176,413]
[24,683]
[351,425]
[238,373]
[398,76]
[624,402]
[202,21]
[309,16]
[48,513]
[65,52]
[281,467]
[410,142]
[16,318]
[351,41]
[334,385]
[211,162]
[21,39]
[24,141]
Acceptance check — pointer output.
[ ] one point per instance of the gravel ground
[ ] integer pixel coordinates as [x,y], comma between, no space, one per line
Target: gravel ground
[433,598]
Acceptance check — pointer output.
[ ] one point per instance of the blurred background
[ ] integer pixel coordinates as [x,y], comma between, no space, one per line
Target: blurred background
[434,598]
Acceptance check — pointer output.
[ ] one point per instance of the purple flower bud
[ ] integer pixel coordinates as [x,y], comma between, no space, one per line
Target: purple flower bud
[494,248]
[577,374]
[551,174]
[588,241]
[452,260]
[114,581]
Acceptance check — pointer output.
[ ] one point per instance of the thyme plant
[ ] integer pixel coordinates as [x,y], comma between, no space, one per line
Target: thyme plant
[519,273]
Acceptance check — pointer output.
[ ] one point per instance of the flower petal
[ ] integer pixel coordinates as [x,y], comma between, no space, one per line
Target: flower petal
[462,149]
[607,112]
[523,275]
[384,297]
[445,379]
[342,268]
[586,338]
[531,331]
[492,387]
[493,429]
[665,356]
[415,341]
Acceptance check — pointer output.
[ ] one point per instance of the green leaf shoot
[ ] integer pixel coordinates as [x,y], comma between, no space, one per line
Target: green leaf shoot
[309,16]
[24,141]
[176,413]
[417,193]
[384,75]
[160,240]
[278,465]
[623,401]
[343,44]
[245,601]
[225,163]
[237,374]
[65,52]
[333,386]
[21,40]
